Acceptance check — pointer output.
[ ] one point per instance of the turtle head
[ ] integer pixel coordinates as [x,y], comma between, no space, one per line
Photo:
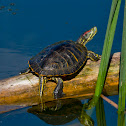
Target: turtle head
[87,36]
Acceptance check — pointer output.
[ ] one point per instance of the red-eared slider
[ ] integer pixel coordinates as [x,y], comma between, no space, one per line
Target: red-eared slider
[70,110]
[61,59]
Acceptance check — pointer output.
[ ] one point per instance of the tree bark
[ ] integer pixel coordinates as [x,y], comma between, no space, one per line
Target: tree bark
[23,89]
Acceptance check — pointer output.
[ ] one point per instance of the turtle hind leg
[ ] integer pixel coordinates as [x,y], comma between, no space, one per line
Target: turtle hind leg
[25,71]
[58,91]
[93,56]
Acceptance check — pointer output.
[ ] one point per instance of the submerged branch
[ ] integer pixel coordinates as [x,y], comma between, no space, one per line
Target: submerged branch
[109,101]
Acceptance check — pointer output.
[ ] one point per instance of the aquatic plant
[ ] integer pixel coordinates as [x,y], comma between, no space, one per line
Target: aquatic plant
[114,12]
[122,81]
[100,113]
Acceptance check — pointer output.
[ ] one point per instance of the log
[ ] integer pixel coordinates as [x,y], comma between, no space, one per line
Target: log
[22,90]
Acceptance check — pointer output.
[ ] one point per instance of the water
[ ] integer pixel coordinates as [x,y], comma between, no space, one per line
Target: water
[26,27]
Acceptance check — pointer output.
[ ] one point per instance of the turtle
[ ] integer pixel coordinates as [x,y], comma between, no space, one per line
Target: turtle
[70,110]
[61,59]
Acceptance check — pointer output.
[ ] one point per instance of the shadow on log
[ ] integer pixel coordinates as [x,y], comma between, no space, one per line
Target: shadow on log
[23,89]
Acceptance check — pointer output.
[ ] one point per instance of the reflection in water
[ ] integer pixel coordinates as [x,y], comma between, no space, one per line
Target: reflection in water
[6,6]
[70,109]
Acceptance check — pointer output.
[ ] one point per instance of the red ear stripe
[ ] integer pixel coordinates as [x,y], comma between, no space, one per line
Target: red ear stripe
[86,32]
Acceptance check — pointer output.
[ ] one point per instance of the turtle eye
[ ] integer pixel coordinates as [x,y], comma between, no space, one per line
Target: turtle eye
[86,36]
[86,33]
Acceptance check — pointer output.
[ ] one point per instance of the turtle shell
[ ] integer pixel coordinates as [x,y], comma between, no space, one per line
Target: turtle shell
[59,59]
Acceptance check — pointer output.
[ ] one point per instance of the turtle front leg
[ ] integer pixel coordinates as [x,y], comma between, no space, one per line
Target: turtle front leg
[93,56]
[58,91]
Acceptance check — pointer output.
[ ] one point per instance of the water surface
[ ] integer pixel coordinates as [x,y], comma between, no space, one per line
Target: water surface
[32,25]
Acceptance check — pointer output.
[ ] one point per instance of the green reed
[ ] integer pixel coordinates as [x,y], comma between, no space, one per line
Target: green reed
[100,113]
[122,81]
[106,51]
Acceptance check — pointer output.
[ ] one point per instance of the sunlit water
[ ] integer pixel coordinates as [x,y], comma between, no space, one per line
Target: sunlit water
[26,27]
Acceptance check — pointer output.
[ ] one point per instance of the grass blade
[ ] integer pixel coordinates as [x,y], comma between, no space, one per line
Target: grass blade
[106,51]
[122,82]
[100,113]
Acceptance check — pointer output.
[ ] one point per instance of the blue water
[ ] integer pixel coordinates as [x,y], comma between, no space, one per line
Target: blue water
[32,25]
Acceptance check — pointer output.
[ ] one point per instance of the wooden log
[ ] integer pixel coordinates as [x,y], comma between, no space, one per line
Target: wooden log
[23,89]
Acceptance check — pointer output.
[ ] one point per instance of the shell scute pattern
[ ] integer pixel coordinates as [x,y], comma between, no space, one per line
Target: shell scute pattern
[59,59]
